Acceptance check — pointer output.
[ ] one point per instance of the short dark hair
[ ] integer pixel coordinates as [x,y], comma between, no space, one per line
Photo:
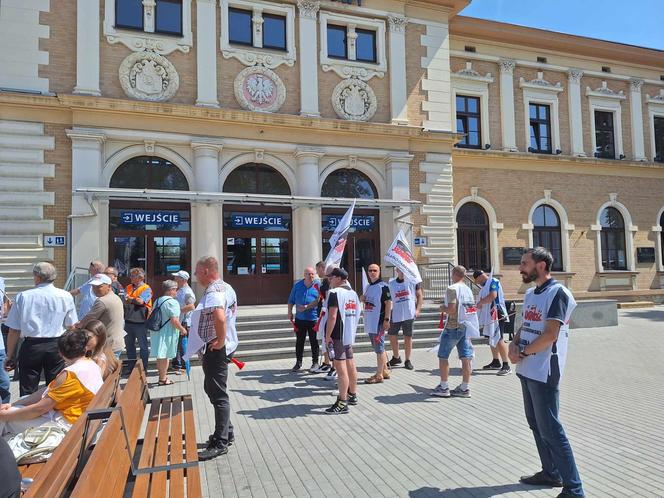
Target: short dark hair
[339,272]
[477,273]
[320,263]
[540,254]
[72,344]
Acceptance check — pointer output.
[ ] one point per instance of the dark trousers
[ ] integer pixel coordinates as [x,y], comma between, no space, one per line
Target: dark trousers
[215,372]
[178,361]
[4,379]
[306,328]
[37,356]
[140,332]
[541,404]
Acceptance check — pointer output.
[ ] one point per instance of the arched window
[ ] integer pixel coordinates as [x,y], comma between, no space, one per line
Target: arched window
[473,237]
[349,183]
[254,178]
[614,256]
[546,233]
[149,172]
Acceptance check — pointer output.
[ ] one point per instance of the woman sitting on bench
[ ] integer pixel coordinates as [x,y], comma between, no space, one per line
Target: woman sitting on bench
[100,352]
[65,398]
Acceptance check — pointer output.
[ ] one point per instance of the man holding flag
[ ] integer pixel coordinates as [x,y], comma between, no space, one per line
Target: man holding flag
[377,309]
[492,316]
[407,297]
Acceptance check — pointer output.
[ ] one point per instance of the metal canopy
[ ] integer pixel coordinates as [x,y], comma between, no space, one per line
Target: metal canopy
[230,198]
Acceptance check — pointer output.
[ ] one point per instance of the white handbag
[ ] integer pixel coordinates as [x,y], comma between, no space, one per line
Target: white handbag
[37,444]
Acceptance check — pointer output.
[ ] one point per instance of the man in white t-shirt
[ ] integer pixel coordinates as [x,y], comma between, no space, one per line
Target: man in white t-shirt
[407,299]
[377,310]
[187,300]
[540,349]
[458,299]
[343,308]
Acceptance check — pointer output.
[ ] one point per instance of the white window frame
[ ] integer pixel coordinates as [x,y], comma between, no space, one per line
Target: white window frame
[605,99]
[349,67]
[540,91]
[251,56]
[147,39]
[469,82]
[657,230]
[655,109]
[565,227]
[630,230]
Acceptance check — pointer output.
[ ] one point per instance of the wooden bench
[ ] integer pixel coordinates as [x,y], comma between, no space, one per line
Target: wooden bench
[168,456]
[51,478]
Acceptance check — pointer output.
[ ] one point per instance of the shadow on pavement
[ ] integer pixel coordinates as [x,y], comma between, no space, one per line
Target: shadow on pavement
[274,376]
[477,492]
[285,411]
[656,315]
[419,394]
[285,394]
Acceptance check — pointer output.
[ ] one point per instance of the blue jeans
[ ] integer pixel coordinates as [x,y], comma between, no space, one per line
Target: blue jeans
[4,378]
[454,337]
[136,331]
[541,404]
[378,342]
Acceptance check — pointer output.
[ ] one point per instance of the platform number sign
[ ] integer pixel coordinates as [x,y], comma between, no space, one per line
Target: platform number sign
[54,240]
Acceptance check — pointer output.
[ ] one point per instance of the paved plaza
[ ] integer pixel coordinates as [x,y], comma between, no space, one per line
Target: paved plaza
[399,441]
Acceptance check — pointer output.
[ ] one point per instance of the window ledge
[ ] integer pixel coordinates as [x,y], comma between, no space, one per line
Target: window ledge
[608,273]
[617,280]
[251,56]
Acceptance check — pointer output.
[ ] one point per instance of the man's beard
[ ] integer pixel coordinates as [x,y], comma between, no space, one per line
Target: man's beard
[529,277]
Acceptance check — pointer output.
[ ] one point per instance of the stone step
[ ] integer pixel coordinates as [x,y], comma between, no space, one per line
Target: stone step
[32,170]
[635,304]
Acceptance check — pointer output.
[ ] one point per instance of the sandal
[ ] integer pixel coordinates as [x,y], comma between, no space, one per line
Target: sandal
[167,382]
[374,379]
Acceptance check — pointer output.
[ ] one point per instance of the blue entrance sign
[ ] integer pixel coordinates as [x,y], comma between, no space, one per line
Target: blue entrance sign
[359,223]
[149,218]
[250,220]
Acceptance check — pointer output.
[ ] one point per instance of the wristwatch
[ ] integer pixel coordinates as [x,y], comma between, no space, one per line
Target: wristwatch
[522,351]
[386,319]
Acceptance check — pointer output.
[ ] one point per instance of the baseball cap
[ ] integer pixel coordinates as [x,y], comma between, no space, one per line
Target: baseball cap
[182,274]
[100,279]
[339,272]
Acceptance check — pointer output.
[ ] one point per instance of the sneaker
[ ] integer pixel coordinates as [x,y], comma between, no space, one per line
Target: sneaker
[352,399]
[338,407]
[315,368]
[494,365]
[394,362]
[441,392]
[214,449]
[457,392]
[408,365]
[331,375]
[504,370]
[231,438]
[324,368]
[297,367]
[541,479]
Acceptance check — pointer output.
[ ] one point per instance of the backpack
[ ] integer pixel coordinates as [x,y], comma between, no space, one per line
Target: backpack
[155,321]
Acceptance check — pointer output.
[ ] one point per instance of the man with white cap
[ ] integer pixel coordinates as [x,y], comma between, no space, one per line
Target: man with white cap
[85,291]
[187,300]
[109,310]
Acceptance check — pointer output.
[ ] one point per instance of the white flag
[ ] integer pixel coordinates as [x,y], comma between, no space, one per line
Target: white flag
[400,255]
[339,237]
[365,281]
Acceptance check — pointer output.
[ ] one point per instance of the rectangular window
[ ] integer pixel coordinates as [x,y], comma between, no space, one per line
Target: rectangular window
[540,129]
[129,14]
[240,28]
[659,139]
[605,146]
[168,17]
[468,121]
[274,32]
[336,42]
[365,45]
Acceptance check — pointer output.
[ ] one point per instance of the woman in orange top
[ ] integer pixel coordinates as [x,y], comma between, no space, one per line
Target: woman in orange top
[65,398]
[138,305]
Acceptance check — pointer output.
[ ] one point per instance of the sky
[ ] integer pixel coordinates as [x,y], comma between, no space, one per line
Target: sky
[635,22]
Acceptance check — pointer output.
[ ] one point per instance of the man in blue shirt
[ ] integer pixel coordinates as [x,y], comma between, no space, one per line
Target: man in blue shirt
[304,296]
[88,297]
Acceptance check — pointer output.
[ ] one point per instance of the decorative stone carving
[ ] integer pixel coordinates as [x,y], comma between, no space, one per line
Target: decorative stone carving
[361,73]
[574,76]
[149,147]
[148,76]
[259,89]
[656,99]
[354,99]
[397,24]
[605,91]
[255,58]
[540,83]
[308,8]
[468,73]
[507,66]
[636,85]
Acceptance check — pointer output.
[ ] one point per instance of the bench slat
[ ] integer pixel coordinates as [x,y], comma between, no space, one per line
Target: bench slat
[176,483]
[191,450]
[53,477]
[158,485]
[142,484]
[105,473]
